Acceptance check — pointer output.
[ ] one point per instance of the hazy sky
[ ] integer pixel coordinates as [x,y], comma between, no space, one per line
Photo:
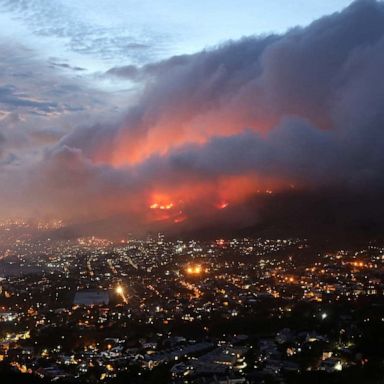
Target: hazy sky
[103,33]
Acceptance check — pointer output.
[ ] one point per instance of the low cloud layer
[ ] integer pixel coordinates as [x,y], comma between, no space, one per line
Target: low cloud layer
[221,137]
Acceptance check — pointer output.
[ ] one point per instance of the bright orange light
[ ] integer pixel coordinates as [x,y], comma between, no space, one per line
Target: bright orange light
[358,264]
[119,290]
[194,270]
[160,204]
[167,206]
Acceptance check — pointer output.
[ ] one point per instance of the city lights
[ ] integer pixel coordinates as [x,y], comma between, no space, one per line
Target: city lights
[194,270]
[191,282]
[120,291]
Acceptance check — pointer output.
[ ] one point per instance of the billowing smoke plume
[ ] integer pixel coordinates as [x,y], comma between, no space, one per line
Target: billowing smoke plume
[225,136]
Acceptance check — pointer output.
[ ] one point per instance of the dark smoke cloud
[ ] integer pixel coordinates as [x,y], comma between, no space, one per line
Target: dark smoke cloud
[303,109]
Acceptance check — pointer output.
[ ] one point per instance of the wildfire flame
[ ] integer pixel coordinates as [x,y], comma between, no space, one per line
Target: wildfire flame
[163,207]
[222,205]
[180,219]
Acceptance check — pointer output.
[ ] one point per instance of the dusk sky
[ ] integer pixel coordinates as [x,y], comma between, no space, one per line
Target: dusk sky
[185,115]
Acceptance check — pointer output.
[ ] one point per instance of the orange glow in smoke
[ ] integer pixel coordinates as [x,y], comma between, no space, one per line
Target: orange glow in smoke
[163,209]
[161,201]
[161,206]
[160,133]
[178,203]
[222,205]
[180,219]
[167,206]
